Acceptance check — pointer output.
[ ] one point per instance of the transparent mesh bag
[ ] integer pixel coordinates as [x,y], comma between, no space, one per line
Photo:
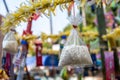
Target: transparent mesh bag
[10,43]
[75,52]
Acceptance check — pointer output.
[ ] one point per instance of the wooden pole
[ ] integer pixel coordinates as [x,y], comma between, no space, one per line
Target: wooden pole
[1,39]
[84,16]
[102,31]
[51,24]
[6,6]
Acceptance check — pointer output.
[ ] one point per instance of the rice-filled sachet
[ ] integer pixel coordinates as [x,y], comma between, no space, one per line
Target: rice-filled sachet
[10,43]
[75,53]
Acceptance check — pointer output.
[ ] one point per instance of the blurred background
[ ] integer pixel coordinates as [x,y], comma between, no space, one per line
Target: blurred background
[99,29]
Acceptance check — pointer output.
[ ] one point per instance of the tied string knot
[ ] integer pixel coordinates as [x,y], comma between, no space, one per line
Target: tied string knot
[74,26]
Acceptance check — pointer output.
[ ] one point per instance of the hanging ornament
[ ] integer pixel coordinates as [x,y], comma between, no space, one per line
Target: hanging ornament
[38,53]
[75,53]
[10,43]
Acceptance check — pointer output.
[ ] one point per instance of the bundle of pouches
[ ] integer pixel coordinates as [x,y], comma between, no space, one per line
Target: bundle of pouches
[75,53]
[10,44]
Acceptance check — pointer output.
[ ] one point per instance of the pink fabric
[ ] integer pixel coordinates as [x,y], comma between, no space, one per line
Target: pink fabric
[36,16]
[109,65]
[109,18]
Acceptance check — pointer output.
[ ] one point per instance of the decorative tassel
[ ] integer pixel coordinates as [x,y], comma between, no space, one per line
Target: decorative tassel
[38,54]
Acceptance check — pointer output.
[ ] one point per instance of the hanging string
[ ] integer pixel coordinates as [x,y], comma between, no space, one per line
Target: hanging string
[73,9]
[74,26]
[70,8]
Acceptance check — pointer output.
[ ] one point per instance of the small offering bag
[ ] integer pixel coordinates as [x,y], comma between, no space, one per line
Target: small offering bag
[75,53]
[10,43]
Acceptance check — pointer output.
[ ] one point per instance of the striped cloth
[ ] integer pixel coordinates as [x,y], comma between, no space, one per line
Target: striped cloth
[19,58]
